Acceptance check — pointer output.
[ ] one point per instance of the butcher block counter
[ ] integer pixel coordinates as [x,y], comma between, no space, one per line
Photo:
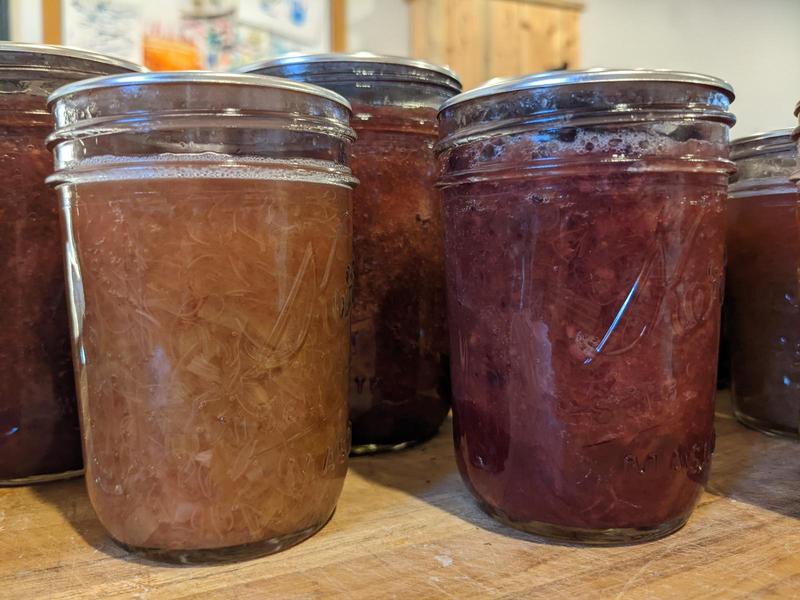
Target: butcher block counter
[407,528]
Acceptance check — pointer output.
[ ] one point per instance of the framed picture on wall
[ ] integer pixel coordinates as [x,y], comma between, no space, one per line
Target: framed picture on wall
[299,20]
[195,34]
[113,28]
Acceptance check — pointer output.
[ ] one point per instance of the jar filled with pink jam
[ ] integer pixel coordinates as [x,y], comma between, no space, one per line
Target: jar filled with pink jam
[762,299]
[39,432]
[584,234]
[399,374]
[208,234]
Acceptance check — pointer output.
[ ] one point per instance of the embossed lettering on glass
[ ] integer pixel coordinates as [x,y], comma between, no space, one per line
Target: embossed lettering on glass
[208,236]
[584,251]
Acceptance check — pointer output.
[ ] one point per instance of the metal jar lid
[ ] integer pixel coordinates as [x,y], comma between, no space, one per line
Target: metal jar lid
[355,63]
[778,140]
[199,77]
[584,77]
[41,56]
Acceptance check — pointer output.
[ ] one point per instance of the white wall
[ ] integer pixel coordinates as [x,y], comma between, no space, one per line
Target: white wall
[26,21]
[754,44]
[379,26]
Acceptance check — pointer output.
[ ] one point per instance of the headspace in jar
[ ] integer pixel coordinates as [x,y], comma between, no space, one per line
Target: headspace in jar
[399,373]
[208,235]
[39,433]
[762,300]
[584,253]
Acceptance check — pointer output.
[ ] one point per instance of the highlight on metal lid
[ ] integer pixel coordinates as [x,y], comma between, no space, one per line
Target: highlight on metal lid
[763,135]
[587,76]
[202,77]
[22,55]
[778,140]
[355,58]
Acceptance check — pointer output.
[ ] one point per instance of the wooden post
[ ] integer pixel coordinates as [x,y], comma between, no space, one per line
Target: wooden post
[339,25]
[481,39]
[51,21]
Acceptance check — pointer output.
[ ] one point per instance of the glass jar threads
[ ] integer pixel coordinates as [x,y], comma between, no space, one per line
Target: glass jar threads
[584,232]
[762,299]
[399,374]
[39,432]
[208,236]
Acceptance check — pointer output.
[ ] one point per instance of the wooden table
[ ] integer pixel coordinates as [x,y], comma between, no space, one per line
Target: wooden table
[407,528]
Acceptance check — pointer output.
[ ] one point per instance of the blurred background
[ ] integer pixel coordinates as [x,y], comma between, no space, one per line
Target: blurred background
[754,45]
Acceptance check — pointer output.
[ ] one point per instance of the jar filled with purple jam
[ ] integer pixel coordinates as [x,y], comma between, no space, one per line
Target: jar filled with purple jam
[399,373]
[39,433]
[762,299]
[584,234]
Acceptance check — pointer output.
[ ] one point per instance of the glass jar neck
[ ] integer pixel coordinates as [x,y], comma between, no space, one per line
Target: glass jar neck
[215,129]
[394,97]
[769,168]
[600,105]
[371,119]
[764,165]
[762,187]
[665,127]
[24,92]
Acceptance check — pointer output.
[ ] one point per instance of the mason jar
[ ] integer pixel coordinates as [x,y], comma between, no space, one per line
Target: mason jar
[39,433]
[584,234]
[762,300]
[207,226]
[399,374]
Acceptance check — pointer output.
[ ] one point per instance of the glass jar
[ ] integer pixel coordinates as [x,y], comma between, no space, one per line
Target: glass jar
[208,236]
[762,300]
[39,433]
[584,233]
[399,374]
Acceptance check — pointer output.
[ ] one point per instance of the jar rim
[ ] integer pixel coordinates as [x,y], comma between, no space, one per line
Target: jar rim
[200,77]
[766,142]
[761,186]
[503,85]
[354,58]
[16,48]
[763,135]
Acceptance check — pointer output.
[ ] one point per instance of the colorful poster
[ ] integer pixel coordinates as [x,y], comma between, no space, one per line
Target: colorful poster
[192,35]
[303,21]
[108,26]
[196,34]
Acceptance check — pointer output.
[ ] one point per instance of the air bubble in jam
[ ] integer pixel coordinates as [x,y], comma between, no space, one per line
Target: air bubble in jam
[214,384]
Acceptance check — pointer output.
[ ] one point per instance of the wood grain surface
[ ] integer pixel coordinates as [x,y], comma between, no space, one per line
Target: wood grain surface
[481,39]
[407,528]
